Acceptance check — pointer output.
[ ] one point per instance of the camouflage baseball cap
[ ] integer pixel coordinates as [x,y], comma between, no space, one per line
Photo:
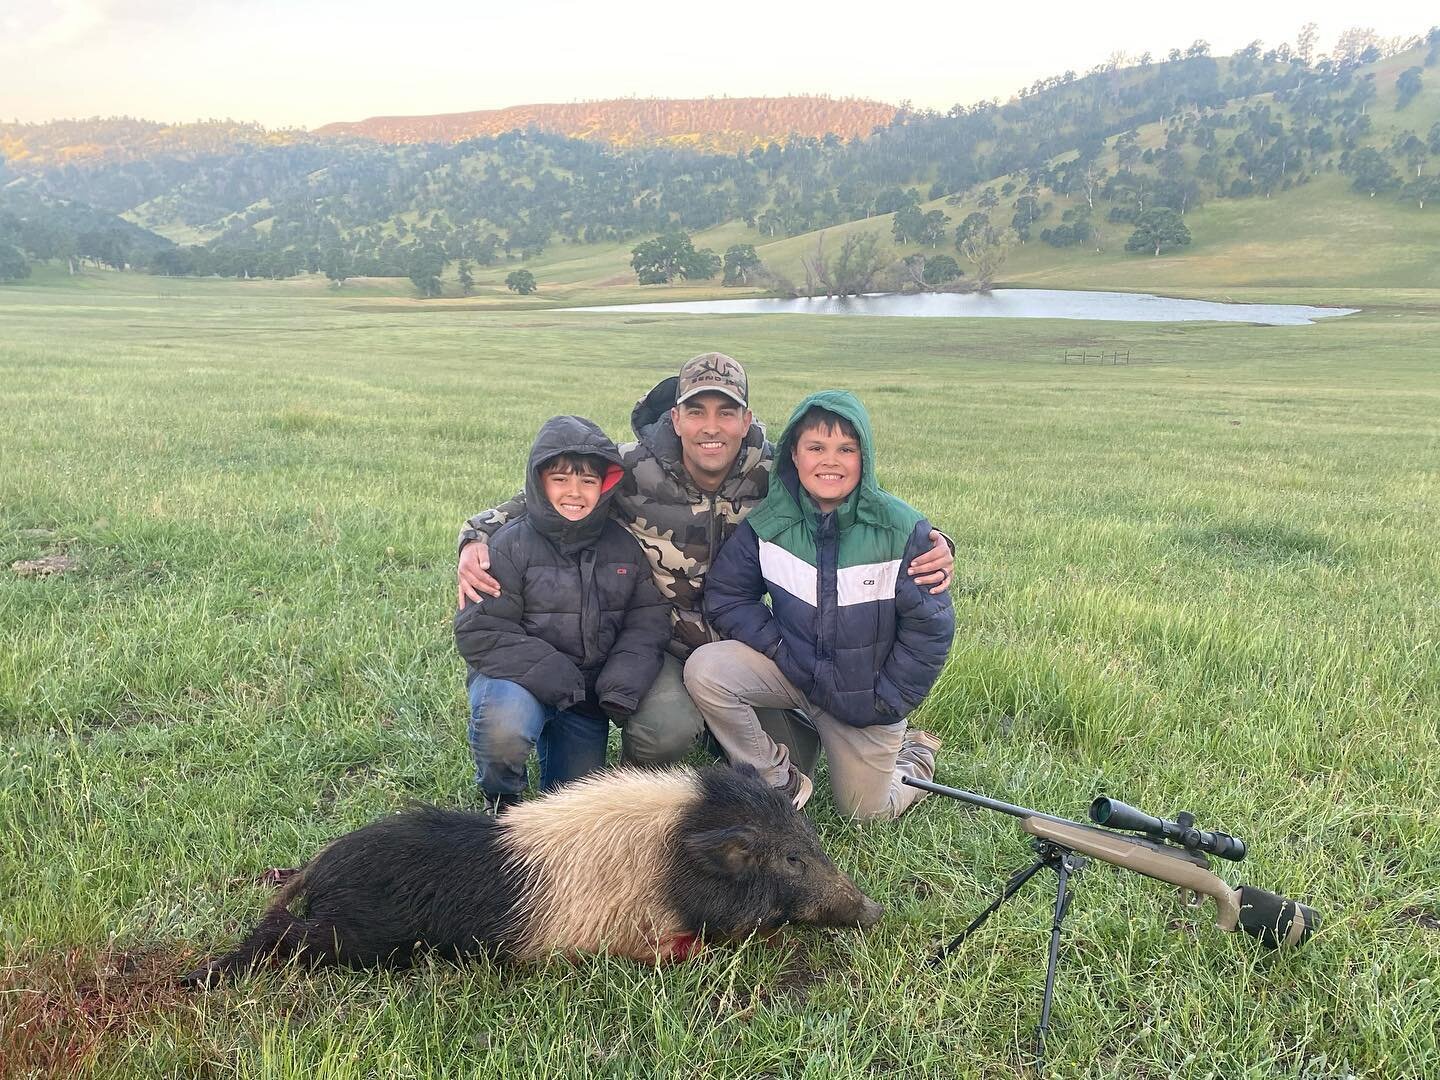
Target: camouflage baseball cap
[712,371]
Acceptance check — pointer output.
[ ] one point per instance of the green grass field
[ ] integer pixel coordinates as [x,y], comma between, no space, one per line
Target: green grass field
[1208,580]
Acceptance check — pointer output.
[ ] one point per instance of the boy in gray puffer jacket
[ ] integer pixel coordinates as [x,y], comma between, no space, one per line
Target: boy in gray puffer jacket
[576,635]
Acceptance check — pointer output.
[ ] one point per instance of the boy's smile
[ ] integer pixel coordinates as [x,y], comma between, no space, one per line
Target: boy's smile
[828,464]
[572,494]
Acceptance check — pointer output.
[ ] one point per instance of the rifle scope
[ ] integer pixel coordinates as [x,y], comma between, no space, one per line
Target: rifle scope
[1114,814]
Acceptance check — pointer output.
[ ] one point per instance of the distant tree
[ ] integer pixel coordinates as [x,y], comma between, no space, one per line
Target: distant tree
[173,262]
[974,222]
[1370,172]
[1127,149]
[934,227]
[425,268]
[1407,87]
[1158,229]
[1305,43]
[703,265]
[106,247]
[987,249]
[895,198]
[44,238]
[336,266]
[1075,229]
[940,269]
[988,199]
[466,279]
[742,265]
[907,225]
[851,273]
[1422,190]
[485,252]
[521,281]
[427,283]
[13,266]
[1413,149]
[672,255]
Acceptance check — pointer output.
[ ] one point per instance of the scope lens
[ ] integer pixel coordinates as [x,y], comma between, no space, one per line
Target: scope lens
[1100,810]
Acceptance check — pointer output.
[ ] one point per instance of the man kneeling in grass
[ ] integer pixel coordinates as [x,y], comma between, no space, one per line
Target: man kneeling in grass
[848,638]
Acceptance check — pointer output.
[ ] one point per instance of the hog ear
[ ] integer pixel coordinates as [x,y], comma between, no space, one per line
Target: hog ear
[729,852]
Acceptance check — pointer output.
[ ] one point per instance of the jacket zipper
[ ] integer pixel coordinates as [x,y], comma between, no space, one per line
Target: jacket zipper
[589,616]
[712,534]
[826,599]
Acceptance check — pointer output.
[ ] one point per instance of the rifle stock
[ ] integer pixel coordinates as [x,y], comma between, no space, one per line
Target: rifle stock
[1145,859]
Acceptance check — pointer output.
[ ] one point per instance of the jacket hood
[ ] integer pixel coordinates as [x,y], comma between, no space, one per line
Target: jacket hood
[654,406]
[787,501]
[650,420]
[570,435]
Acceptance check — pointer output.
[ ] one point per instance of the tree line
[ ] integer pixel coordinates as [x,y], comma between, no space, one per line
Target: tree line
[414,211]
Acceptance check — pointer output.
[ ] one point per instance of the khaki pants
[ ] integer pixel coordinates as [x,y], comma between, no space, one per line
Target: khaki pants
[727,680]
[666,726]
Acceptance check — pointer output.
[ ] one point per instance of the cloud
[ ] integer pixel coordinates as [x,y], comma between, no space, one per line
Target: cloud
[56,24]
[47,26]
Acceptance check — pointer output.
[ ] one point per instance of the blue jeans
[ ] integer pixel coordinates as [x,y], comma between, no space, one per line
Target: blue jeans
[507,722]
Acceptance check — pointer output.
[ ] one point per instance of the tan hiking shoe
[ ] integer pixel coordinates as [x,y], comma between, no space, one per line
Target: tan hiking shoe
[798,788]
[919,749]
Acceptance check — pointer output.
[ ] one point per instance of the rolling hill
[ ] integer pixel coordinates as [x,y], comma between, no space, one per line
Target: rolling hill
[724,125]
[1282,171]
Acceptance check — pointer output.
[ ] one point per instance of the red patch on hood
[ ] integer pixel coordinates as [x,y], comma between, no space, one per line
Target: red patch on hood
[613,475]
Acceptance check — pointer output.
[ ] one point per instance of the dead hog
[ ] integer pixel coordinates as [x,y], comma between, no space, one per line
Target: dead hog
[631,862]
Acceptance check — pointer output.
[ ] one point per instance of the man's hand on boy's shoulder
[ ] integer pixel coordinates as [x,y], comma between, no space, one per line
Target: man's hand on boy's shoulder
[935,566]
[474,574]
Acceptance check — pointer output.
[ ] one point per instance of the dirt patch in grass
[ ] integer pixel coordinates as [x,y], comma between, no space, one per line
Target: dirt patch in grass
[791,985]
[58,1011]
[799,974]
[1418,916]
[45,566]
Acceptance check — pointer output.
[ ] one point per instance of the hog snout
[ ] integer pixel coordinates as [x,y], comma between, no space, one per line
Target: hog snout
[845,906]
[870,913]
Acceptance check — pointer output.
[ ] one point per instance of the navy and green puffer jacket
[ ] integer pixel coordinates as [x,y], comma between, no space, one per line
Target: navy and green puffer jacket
[845,623]
[579,621]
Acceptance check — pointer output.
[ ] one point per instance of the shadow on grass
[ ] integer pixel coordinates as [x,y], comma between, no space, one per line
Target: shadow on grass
[1263,541]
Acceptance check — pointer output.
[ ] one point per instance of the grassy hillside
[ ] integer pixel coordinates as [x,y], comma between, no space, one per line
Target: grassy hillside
[1287,174]
[1320,235]
[1204,581]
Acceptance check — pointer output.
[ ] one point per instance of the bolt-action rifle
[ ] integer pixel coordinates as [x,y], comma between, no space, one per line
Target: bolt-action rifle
[1171,851]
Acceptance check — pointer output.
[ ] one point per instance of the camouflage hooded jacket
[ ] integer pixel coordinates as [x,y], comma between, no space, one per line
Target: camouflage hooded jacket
[679,526]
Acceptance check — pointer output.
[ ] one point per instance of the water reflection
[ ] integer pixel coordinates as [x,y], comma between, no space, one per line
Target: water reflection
[1007,304]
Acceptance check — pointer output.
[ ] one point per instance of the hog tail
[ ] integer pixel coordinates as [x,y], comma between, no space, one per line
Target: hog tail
[297,882]
[289,891]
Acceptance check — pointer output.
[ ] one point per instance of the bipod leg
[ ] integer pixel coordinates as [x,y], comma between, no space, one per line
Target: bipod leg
[1065,863]
[1016,882]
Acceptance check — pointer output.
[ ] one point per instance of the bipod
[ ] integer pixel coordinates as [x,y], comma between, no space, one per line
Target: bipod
[1066,865]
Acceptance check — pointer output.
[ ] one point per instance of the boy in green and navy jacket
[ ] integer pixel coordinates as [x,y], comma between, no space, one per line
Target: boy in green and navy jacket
[847,637]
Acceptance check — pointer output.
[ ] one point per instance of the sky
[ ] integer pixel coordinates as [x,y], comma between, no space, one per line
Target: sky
[304,64]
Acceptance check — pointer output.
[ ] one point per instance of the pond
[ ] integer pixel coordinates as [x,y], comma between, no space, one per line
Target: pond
[1007,304]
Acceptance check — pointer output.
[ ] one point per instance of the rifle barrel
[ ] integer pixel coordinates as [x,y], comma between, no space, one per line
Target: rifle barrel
[988,804]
